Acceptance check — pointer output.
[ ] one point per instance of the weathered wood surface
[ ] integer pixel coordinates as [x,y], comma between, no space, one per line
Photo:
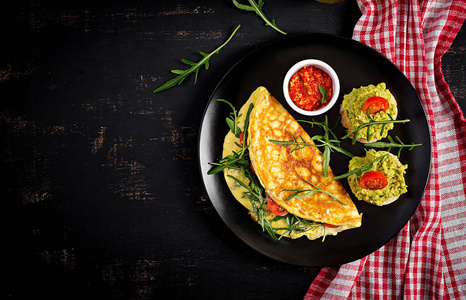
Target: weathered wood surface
[454,68]
[101,195]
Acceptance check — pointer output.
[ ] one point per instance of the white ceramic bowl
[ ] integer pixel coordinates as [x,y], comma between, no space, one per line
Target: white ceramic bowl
[321,65]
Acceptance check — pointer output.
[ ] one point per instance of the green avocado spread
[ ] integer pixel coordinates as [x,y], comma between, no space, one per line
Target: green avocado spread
[352,106]
[389,166]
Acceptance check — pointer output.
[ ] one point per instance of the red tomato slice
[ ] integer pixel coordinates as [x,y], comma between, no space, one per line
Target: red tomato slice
[275,208]
[330,225]
[375,104]
[373,180]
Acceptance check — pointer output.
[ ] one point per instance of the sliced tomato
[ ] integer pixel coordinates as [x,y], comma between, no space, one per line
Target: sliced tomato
[275,208]
[373,180]
[330,225]
[375,104]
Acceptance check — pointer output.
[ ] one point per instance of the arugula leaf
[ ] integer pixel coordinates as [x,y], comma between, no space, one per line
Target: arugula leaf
[329,144]
[246,120]
[372,122]
[294,223]
[303,193]
[323,92]
[392,144]
[237,160]
[194,67]
[232,120]
[257,8]
[254,195]
[361,169]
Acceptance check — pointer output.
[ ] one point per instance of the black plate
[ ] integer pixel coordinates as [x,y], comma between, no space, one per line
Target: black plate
[356,65]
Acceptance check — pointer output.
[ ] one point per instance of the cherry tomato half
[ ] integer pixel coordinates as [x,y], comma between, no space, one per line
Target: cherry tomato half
[330,225]
[375,104]
[373,180]
[275,208]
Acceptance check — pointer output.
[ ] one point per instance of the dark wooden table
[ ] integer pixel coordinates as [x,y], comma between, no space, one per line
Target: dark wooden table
[101,195]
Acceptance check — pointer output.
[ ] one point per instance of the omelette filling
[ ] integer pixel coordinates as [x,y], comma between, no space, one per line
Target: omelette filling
[247,189]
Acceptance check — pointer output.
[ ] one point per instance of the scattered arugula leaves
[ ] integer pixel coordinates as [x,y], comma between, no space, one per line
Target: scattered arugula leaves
[257,8]
[329,141]
[329,144]
[294,223]
[323,92]
[399,144]
[372,122]
[232,119]
[363,168]
[194,67]
[237,160]
[303,193]
[246,122]
[255,193]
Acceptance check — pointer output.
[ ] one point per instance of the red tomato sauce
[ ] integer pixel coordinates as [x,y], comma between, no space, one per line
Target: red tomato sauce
[304,88]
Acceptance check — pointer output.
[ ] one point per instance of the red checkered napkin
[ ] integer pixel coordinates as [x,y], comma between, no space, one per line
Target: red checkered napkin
[427,259]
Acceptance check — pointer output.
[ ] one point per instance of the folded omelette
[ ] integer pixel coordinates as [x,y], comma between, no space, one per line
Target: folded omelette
[322,208]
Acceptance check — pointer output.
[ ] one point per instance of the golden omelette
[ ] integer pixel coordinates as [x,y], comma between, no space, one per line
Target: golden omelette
[279,169]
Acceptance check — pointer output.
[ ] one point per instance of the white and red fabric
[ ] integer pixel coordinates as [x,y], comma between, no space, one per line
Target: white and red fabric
[427,259]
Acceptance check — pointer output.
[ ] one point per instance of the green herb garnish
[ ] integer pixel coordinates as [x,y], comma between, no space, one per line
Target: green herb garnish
[361,169]
[372,122]
[329,141]
[329,144]
[254,191]
[232,119]
[195,67]
[325,234]
[237,160]
[294,223]
[323,92]
[303,193]
[257,8]
[246,121]
[392,144]
[255,195]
